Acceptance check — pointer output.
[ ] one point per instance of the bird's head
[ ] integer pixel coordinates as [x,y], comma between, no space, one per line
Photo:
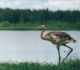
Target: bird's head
[41,27]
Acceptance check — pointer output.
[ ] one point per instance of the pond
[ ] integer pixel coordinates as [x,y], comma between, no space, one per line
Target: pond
[21,46]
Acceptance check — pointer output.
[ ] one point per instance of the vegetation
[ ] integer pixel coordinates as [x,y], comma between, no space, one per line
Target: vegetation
[69,65]
[29,19]
[50,25]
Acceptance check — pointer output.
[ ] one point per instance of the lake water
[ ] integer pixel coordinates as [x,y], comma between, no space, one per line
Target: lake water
[28,46]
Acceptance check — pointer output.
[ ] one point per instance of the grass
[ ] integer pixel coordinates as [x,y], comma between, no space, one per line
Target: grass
[50,25]
[68,65]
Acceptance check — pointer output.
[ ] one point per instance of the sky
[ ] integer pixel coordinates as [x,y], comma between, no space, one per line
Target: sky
[41,4]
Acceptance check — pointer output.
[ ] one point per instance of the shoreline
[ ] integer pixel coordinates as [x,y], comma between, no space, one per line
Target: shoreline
[68,65]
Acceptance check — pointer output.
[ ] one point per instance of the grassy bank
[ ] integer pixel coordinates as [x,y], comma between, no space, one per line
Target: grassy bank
[69,65]
[50,25]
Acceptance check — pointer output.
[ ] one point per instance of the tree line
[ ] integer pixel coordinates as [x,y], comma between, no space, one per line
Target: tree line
[26,15]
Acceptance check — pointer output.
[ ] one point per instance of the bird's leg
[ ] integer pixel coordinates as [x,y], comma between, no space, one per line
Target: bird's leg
[58,48]
[71,49]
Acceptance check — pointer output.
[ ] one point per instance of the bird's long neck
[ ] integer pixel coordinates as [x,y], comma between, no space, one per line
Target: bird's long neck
[43,37]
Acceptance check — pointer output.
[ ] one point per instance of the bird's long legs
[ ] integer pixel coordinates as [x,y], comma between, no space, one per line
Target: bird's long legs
[71,49]
[58,48]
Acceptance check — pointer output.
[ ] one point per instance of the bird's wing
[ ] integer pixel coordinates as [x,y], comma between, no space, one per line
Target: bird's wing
[60,36]
[55,37]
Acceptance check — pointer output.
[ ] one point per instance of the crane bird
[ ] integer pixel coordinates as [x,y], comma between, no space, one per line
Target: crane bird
[58,38]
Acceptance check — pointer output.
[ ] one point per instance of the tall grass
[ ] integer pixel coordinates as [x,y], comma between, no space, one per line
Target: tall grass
[68,65]
[50,25]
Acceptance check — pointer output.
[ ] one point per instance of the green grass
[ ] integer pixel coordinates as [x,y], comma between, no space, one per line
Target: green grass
[50,25]
[68,65]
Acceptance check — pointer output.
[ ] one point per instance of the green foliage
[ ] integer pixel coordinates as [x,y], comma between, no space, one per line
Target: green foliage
[30,19]
[68,65]
[50,25]
[26,15]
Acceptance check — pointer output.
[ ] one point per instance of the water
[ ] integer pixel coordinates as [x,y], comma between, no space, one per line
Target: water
[28,46]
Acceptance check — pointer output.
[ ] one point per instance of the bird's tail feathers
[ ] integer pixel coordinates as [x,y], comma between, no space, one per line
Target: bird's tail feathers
[74,40]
